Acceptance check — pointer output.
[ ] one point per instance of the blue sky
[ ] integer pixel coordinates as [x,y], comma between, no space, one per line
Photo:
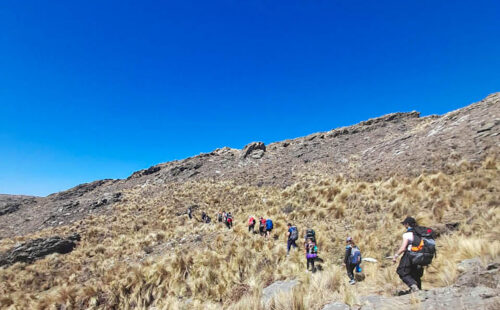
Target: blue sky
[99,89]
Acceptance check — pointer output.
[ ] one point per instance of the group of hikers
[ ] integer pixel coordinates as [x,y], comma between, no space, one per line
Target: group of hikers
[265,226]
[417,248]
[222,217]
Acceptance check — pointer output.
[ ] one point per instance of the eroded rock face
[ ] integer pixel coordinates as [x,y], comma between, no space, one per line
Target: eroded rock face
[36,249]
[10,208]
[255,150]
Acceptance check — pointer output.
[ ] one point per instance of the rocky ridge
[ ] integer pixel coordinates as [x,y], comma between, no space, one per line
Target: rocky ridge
[394,144]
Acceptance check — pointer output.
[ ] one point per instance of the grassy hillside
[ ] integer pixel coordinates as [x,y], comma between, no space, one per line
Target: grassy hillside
[145,255]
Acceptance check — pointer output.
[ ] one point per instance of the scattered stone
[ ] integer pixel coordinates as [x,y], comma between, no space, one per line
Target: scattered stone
[36,249]
[336,306]
[277,287]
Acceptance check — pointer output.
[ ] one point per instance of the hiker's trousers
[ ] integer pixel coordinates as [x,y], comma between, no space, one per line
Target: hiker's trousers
[350,270]
[289,244]
[410,274]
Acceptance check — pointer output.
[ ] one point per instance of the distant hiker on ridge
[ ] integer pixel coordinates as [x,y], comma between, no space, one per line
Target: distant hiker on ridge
[190,213]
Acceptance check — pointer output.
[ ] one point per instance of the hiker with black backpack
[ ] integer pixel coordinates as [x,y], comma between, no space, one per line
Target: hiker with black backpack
[310,234]
[418,249]
[292,236]
[352,259]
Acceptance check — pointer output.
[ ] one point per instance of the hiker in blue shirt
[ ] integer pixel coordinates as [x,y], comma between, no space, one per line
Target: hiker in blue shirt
[352,258]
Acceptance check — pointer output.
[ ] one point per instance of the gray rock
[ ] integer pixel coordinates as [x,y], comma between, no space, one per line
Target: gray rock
[336,306]
[35,249]
[259,148]
[277,287]
[9,208]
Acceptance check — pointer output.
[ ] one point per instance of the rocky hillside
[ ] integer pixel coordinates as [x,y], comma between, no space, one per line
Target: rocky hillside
[127,244]
[394,144]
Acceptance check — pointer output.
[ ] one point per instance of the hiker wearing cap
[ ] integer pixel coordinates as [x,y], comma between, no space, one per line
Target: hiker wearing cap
[292,236]
[410,274]
[352,259]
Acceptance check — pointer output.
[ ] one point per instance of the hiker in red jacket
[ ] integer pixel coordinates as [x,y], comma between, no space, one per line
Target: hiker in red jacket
[251,224]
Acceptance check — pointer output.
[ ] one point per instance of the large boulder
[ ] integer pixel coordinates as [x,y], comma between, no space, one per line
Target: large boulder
[36,249]
[255,150]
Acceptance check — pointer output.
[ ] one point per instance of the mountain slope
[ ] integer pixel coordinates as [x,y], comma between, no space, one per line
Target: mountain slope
[395,144]
[138,249]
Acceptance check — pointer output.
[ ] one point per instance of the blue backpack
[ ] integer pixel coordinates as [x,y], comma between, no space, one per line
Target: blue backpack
[269,224]
[355,256]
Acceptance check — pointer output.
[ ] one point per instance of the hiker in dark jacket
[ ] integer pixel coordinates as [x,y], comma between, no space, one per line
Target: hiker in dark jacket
[352,258]
[292,235]
[190,213]
[311,254]
[409,273]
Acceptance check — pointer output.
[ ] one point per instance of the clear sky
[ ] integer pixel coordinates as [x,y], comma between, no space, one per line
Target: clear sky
[99,89]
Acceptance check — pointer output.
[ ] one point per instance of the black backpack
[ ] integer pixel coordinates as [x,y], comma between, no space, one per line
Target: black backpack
[311,234]
[423,247]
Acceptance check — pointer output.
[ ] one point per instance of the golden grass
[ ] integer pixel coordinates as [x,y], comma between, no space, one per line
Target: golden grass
[144,256]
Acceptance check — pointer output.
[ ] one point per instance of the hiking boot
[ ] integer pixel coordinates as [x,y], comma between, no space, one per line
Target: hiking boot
[352,282]
[414,288]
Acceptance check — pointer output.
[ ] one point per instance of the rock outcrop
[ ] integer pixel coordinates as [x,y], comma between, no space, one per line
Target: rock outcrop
[36,249]
[255,150]
[476,288]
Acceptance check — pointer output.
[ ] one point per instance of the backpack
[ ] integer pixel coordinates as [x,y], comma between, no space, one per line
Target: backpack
[294,234]
[423,247]
[313,249]
[355,257]
[262,223]
[310,233]
[269,224]
[251,221]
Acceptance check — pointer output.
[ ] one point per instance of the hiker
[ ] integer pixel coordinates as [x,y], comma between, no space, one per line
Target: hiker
[269,227]
[251,224]
[310,234]
[224,217]
[292,236]
[207,219]
[410,273]
[352,259]
[203,216]
[311,254]
[229,220]
[219,216]
[262,226]
[190,213]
